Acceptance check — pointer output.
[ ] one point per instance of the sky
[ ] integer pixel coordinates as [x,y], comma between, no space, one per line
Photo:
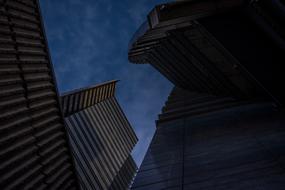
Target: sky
[88,42]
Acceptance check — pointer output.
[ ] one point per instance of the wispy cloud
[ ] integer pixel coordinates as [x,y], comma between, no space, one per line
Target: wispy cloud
[138,11]
[88,41]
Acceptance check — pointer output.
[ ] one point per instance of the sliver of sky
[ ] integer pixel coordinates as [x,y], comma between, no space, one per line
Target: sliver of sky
[88,42]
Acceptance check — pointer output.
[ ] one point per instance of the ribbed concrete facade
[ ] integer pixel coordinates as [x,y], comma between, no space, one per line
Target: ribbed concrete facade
[101,138]
[34,151]
[222,126]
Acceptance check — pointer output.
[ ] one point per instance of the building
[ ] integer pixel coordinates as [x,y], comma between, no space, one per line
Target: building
[101,137]
[222,126]
[34,152]
[86,145]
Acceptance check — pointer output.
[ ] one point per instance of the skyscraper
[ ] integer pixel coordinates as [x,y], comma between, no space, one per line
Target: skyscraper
[101,137]
[34,151]
[222,126]
[87,145]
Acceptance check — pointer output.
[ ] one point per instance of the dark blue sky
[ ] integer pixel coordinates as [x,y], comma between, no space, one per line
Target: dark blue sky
[88,41]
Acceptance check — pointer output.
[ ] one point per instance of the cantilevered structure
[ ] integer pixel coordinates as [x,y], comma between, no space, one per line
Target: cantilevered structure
[101,137]
[222,126]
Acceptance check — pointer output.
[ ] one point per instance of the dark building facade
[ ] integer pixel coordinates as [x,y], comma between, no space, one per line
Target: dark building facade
[34,151]
[222,126]
[101,137]
[86,145]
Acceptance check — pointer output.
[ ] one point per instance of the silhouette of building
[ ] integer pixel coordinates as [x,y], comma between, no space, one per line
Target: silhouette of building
[35,150]
[100,136]
[222,126]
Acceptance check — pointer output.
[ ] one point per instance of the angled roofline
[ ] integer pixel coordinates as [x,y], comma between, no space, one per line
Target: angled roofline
[79,99]
[88,87]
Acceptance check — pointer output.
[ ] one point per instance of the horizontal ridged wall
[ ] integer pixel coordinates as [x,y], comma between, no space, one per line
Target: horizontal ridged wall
[234,147]
[181,49]
[101,140]
[182,103]
[220,127]
[33,144]
[190,58]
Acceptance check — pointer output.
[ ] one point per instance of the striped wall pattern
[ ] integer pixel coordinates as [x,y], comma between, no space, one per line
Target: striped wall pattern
[33,144]
[182,103]
[125,176]
[240,147]
[179,46]
[80,99]
[101,140]
[220,128]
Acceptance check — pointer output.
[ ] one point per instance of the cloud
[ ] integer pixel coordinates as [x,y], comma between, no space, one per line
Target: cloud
[88,42]
[137,11]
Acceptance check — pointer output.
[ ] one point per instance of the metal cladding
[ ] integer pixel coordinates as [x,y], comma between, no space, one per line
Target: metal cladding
[82,98]
[222,126]
[214,144]
[182,103]
[196,45]
[101,138]
[125,175]
[33,144]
